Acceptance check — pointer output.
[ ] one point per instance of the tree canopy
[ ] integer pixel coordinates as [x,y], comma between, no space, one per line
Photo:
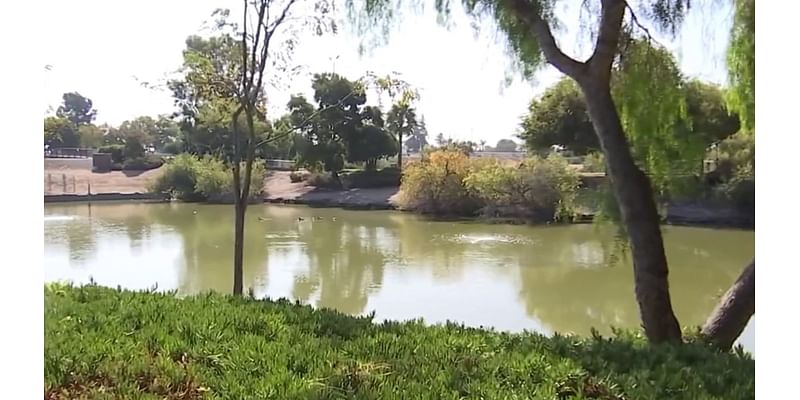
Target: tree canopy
[419,137]
[60,132]
[340,127]
[559,117]
[77,109]
[506,145]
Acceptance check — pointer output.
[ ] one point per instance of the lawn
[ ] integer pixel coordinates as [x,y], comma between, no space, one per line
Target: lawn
[102,343]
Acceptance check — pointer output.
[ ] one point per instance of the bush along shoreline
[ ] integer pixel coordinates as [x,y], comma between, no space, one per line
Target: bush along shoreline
[191,178]
[107,343]
[449,183]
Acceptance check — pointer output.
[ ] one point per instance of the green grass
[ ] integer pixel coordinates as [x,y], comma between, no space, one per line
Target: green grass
[102,343]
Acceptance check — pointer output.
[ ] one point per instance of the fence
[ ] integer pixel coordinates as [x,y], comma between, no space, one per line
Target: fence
[68,152]
[287,165]
[62,183]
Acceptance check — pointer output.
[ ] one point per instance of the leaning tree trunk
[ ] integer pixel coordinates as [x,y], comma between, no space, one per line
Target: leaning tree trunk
[634,195]
[734,311]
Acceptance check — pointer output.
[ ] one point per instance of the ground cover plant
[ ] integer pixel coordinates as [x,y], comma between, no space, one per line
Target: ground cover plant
[102,343]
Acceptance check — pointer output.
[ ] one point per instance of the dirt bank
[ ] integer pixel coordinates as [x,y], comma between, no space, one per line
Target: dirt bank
[278,188]
[74,178]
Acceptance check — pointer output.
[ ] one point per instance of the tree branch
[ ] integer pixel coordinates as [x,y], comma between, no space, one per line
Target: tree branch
[257,38]
[275,137]
[270,31]
[636,22]
[531,14]
[245,86]
[605,49]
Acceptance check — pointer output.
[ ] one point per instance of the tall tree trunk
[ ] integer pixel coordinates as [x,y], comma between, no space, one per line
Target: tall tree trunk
[242,194]
[238,248]
[634,195]
[400,152]
[734,311]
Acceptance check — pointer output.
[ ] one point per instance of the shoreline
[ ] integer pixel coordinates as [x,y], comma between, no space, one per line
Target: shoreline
[679,215]
[112,196]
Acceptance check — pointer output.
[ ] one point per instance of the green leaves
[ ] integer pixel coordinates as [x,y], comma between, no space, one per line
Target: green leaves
[741,61]
[341,126]
[559,117]
[192,178]
[649,120]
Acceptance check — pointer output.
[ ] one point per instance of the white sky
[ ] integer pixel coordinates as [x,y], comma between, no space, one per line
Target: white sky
[98,47]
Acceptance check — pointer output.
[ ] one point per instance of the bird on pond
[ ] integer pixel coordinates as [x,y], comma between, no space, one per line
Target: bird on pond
[194,211]
[262,219]
[333,218]
[300,219]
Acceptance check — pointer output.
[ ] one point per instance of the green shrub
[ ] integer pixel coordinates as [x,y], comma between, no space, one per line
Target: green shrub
[734,177]
[594,162]
[539,189]
[145,163]
[173,148]
[190,178]
[436,185]
[180,178]
[736,154]
[387,177]
[116,151]
[215,181]
[133,148]
[449,182]
[106,343]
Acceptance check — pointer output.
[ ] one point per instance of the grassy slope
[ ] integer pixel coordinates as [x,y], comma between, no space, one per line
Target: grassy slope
[104,343]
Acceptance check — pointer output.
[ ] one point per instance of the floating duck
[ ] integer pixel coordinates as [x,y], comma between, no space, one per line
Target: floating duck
[333,218]
[300,219]
[262,219]
[194,211]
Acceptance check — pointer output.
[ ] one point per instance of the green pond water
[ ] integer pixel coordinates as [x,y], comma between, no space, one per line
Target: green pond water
[401,266]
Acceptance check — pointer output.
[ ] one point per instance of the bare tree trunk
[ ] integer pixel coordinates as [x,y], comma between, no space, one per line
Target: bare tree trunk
[242,196]
[238,207]
[238,248]
[734,311]
[639,214]
[400,152]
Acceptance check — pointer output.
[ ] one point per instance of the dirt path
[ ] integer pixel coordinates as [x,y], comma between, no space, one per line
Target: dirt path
[76,177]
[279,188]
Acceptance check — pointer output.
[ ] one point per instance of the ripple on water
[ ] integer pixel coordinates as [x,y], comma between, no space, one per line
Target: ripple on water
[59,218]
[488,239]
[284,237]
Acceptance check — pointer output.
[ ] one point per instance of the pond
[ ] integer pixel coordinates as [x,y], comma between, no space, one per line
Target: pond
[565,278]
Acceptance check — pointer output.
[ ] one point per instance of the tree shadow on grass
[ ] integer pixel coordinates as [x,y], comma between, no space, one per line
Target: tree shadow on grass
[690,370]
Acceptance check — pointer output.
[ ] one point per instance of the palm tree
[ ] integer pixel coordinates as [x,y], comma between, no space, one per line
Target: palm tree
[401,121]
